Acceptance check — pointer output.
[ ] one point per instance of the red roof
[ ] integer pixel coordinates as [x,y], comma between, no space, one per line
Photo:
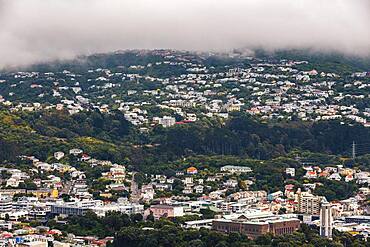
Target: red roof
[289,186]
[192,169]
[7,235]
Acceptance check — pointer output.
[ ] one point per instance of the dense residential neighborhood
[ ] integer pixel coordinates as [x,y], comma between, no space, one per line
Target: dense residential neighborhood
[98,155]
[42,191]
[186,86]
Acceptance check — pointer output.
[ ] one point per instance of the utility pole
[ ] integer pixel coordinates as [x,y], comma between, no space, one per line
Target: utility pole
[353,150]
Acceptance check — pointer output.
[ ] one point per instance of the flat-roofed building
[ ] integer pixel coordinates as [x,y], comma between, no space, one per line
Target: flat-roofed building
[308,203]
[197,224]
[6,204]
[359,219]
[254,229]
[163,210]
[236,169]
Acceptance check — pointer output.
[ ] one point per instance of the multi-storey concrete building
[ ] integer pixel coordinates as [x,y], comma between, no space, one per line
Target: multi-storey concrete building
[308,203]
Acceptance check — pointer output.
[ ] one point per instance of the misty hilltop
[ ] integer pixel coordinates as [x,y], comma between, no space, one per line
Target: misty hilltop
[333,61]
[35,31]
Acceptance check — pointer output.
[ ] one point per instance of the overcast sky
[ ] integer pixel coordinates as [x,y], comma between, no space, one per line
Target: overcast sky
[41,30]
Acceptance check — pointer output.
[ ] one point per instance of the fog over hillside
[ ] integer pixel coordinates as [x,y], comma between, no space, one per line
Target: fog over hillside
[37,30]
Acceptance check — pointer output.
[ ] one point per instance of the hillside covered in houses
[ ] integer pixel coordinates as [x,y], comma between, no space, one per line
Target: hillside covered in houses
[206,149]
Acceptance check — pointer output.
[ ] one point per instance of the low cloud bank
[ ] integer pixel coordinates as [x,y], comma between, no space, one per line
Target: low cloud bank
[34,31]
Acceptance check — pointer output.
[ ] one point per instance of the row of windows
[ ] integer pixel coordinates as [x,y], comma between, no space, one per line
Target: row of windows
[232,228]
[236,228]
[284,230]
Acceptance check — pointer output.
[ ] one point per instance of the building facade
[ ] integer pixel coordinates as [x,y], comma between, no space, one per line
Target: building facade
[254,229]
[309,204]
[169,211]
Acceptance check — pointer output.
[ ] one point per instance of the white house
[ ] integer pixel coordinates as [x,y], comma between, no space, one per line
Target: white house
[58,155]
[199,189]
[290,171]
[335,176]
[236,169]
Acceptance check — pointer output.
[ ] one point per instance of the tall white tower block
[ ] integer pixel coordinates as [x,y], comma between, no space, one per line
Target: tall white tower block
[326,219]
